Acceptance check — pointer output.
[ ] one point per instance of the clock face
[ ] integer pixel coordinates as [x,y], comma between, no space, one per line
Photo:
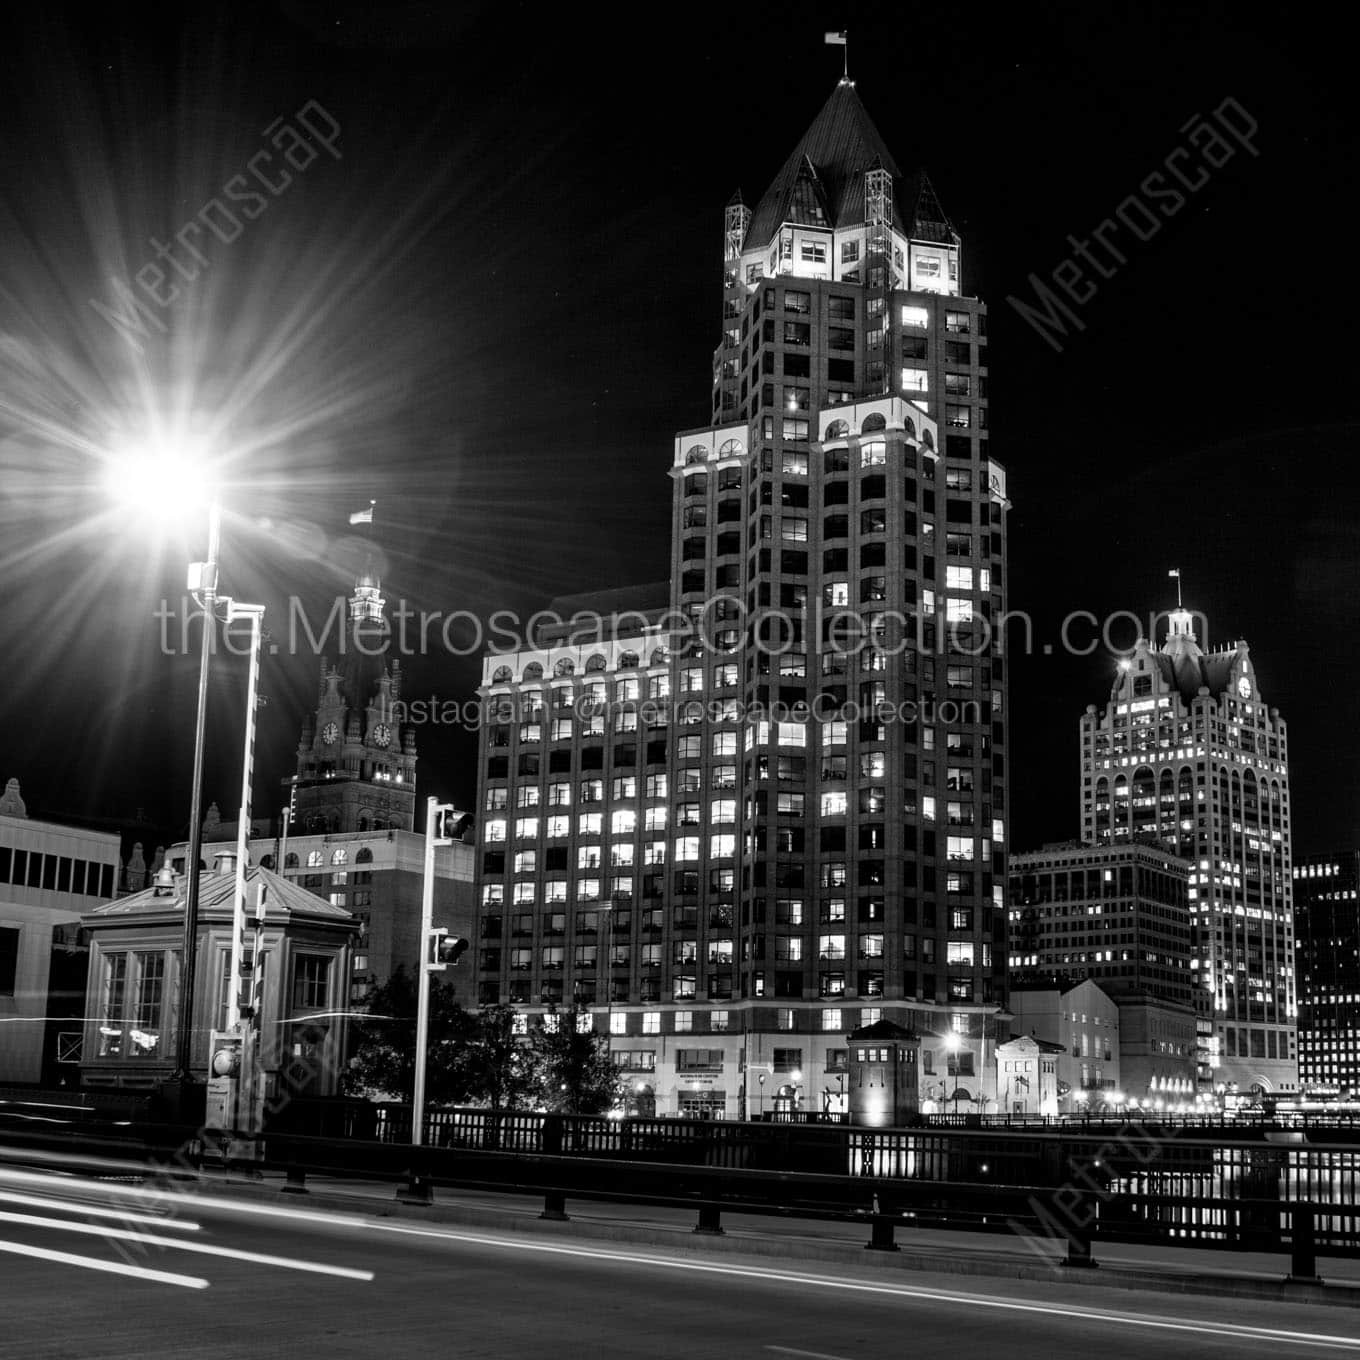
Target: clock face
[1244,687]
[382,735]
[329,733]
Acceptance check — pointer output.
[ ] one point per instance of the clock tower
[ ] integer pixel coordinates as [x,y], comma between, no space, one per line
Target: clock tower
[356,765]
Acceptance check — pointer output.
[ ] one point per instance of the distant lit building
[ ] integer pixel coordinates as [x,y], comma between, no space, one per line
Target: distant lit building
[1186,752]
[1158,1042]
[1327,953]
[49,875]
[1027,1081]
[1117,913]
[771,807]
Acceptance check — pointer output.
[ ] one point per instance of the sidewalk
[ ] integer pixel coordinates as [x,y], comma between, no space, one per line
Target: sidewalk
[1000,1253]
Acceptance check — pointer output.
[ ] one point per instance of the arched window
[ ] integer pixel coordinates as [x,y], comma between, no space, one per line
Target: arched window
[315,859]
[596,662]
[909,426]
[660,656]
[533,671]
[340,856]
[873,421]
[731,448]
[365,856]
[928,439]
[502,675]
[838,429]
[565,666]
[628,660]
[290,861]
[696,454]
[267,862]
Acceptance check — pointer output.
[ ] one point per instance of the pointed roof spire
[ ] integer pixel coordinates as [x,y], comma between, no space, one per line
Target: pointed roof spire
[837,148]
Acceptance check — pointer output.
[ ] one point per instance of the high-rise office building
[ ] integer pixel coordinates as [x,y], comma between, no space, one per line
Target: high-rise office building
[748,823]
[1187,753]
[1117,914]
[1327,954]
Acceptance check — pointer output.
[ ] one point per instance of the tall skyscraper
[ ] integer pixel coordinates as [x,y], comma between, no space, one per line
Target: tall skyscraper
[1187,753]
[778,808]
[1327,945]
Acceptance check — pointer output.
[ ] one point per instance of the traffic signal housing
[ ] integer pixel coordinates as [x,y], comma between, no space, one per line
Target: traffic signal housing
[444,949]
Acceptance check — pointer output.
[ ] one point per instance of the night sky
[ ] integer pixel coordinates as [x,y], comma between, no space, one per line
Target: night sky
[493,302]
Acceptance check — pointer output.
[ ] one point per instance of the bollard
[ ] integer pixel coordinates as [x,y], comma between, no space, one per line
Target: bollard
[1303,1246]
[881,1234]
[555,1206]
[296,1184]
[710,1220]
[1079,1247]
[417,1190]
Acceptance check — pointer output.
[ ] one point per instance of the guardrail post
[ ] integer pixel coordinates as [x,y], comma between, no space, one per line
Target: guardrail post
[1079,1247]
[417,1190]
[1303,1245]
[710,1220]
[555,1206]
[296,1184]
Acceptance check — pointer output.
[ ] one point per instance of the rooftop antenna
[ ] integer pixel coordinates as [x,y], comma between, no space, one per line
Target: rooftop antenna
[841,40]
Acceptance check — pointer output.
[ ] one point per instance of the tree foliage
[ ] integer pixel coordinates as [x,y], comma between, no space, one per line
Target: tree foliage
[572,1065]
[473,1057]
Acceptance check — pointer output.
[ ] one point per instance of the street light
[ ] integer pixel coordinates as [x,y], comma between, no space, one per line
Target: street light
[167,481]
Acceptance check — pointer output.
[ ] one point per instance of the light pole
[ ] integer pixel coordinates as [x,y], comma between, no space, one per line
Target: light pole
[437,951]
[761,1094]
[203,586]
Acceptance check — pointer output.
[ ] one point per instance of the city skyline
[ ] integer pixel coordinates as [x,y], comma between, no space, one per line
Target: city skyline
[559,219]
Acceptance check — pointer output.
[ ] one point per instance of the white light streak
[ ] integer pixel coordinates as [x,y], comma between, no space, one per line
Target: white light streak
[179,1244]
[65,1258]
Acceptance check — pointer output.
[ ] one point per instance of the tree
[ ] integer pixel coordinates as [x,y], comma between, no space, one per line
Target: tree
[493,1064]
[383,1065]
[574,1070]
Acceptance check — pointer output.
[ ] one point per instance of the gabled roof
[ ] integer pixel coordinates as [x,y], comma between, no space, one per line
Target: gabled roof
[216,894]
[824,174]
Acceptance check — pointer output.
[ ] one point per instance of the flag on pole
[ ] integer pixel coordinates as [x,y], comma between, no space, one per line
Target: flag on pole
[363,516]
[838,39]
[1176,572]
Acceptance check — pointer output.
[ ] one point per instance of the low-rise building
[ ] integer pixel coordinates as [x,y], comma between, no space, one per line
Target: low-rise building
[1027,1076]
[49,875]
[303,967]
[1157,1042]
[1082,1020]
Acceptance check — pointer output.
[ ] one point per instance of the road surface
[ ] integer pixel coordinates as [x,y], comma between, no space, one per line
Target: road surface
[98,1269]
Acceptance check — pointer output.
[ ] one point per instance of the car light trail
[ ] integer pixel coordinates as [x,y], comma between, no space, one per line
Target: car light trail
[179,1244]
[67,1258]
[97,1211]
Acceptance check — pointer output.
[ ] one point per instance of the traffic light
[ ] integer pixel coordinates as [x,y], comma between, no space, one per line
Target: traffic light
[443,818]
[444,949]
